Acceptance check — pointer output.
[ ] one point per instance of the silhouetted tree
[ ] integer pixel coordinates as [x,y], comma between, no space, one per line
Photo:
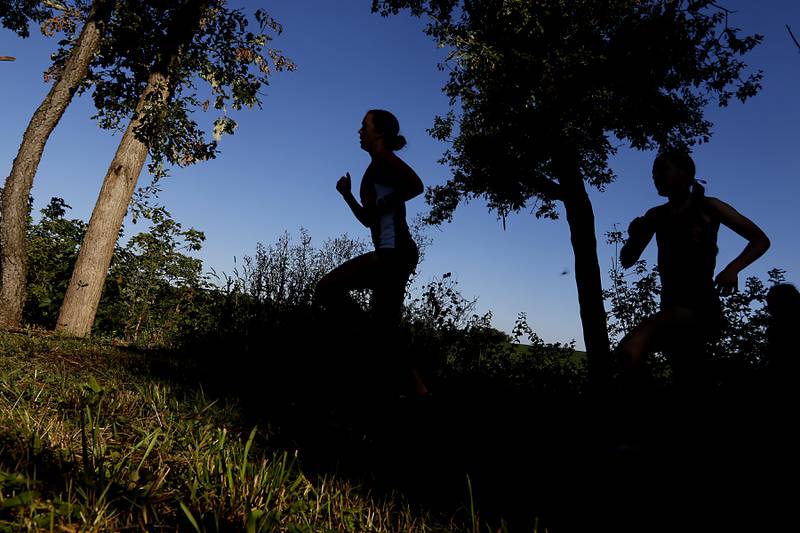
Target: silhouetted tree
[147,74]
[15,204]
[545,91]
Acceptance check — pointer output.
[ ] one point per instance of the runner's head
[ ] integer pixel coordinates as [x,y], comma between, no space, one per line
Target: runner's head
[674,174]
[380,126]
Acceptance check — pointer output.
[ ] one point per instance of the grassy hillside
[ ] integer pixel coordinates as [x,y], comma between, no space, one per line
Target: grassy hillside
[91,440]
[99,437]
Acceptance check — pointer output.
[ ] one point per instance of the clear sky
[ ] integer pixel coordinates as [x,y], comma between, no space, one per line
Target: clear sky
[278,171]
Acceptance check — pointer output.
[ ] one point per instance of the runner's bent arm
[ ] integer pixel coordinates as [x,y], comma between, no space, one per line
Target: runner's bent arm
[640,231]
[757,242]
[364,213]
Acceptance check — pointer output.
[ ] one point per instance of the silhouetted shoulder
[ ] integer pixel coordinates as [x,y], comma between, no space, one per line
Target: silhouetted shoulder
[397,169]
[396,173]
[396,162]
[654,214]
[715,204]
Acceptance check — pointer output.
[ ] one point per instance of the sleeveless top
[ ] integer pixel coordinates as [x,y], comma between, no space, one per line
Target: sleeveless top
[687,253]
[389,228]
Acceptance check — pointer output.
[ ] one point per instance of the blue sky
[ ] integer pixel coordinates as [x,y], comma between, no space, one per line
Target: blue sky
[278,171]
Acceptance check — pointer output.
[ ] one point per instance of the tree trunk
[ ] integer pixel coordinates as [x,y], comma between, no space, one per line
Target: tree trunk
[580,217]
[16,193]
[86,285]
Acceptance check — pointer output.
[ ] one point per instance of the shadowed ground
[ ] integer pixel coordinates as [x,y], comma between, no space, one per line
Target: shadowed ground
[709,463]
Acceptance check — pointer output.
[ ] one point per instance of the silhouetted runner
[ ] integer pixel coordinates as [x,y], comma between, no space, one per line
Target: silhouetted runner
[686,230]
[783,304]
[387,184]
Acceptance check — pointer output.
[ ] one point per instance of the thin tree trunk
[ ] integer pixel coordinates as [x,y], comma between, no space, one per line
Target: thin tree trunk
[86,285]
[580,217]
[16,193]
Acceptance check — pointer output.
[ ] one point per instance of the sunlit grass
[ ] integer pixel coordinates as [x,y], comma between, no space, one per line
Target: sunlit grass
[90,442]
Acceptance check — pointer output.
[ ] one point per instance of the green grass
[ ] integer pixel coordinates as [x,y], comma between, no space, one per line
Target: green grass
[90,441]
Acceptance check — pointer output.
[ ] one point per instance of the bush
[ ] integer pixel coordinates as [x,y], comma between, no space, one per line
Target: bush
[151,292]
[459,345]
[53,245]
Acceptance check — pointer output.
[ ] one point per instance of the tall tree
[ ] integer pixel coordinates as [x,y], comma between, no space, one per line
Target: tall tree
[161,64]
[545,91]
[15,199]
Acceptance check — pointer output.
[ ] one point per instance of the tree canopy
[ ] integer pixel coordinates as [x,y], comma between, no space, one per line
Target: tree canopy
[530,78]
[231,56]
[17,15]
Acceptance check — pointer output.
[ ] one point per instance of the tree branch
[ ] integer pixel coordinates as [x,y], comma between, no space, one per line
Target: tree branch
[797,44]
[550,188]
[54,4]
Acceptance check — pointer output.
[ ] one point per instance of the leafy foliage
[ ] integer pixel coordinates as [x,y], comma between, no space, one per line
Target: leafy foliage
[157,295]
[535,82]
[456,344]
[269,295]
[16,15]
[285,274]
[744,336]
[631,301]
[233,61]
[151,291]
[53,245]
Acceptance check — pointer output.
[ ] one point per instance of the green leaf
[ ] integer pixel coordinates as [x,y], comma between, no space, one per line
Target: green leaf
[93,386]
[189,516]
[21,499]
[252,520]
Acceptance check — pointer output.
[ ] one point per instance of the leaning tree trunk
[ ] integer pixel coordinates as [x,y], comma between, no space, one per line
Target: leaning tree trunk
[580,217]
[86,285]
[15,202]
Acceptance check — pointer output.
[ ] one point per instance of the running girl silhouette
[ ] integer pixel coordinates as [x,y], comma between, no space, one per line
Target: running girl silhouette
[783,303]
[686,230]
[386,186]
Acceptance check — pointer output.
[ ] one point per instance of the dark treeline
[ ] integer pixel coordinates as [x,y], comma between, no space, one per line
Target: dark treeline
[158,295]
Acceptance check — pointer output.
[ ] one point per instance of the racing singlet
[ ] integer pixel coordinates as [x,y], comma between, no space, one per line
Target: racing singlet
[389,228]
[687,252]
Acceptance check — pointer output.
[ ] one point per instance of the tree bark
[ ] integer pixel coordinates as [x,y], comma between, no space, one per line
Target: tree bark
[580,217]
[86,284]
[16,193]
